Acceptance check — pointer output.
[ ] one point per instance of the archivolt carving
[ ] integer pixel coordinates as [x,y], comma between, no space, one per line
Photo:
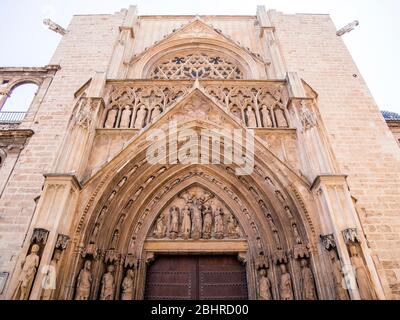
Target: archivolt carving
[196,65]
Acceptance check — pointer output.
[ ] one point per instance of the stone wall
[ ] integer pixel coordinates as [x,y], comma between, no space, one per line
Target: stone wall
[360,139]
[87,47]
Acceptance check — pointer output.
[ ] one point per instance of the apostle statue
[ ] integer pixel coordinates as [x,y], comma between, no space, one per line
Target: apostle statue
[127,286]
[125,118]
[140,117]
[159,232]
[340,288]
[197,220]
[186,222]
[307,281]
[233,231]
[84,282]
[251,117]
[107,284]
[361,274]
[174,222]
[285,284]
[265,117]
[207,222]
[264,286]
[27,275]
[219,223]
[111,117]
[49,280]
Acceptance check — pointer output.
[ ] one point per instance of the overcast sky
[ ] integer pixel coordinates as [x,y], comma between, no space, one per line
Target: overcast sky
[375,44]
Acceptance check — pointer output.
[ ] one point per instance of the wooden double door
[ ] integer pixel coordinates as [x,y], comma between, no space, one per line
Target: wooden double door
[196,278]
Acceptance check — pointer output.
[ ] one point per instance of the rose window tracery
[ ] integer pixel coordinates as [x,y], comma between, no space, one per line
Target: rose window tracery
[199,65]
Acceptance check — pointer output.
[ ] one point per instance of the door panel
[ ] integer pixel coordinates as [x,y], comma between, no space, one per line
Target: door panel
[196,277]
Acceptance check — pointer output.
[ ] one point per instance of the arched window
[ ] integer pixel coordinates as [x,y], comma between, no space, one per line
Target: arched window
[18,103]
[196,65]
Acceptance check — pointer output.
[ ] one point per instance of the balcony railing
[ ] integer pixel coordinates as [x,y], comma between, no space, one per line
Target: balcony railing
[11,117]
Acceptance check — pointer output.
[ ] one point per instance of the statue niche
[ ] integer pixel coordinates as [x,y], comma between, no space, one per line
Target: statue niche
[196,214]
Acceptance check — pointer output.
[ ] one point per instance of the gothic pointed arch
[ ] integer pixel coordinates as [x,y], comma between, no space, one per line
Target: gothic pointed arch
[189,40]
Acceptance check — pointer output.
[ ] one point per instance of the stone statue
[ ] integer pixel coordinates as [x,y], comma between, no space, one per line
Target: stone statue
[361,274]
[95,233]
[207,222]
[115,239]
[264,286]
[174,222]
[307,281]
[265,117]
[107,284]
[219,223]
[280,118]
[274,230]
[84,282]
[251,117]
[127,286]
[111,117]
[233,231]
[125,118]
[27,275]
[197,220]
[50,276]
[340,290]
[159,233]
[140,117]
[186,222]
[155,113]
[285,284]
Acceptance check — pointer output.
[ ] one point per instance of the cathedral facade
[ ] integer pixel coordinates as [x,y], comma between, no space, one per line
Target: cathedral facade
[85,214]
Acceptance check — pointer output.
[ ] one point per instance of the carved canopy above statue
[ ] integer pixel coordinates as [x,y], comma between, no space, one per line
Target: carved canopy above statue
[196,65]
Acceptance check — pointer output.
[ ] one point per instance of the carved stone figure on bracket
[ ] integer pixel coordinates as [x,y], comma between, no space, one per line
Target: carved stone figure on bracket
[197,220]
[115,239]
[174,222]
[140,117]
[280,118]
[233,227]
[111,117]
[207,222]
[264,286]
[251,117]
[155,113]
[51,276]
[340,290]
[127,286]
[266,117]
[186,222]
[27,275]
[307,281]
[84,282]
[361,274]
[285,284]
[219,223]
[107,284]
[159,233]
[125,118]
[274,231]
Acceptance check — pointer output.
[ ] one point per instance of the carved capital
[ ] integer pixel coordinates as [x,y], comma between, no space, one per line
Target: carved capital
[39,236]
[62,242]
[262,262]
[350,235]
[328,241]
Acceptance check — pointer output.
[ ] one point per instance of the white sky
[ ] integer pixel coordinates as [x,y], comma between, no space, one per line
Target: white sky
[374,45]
